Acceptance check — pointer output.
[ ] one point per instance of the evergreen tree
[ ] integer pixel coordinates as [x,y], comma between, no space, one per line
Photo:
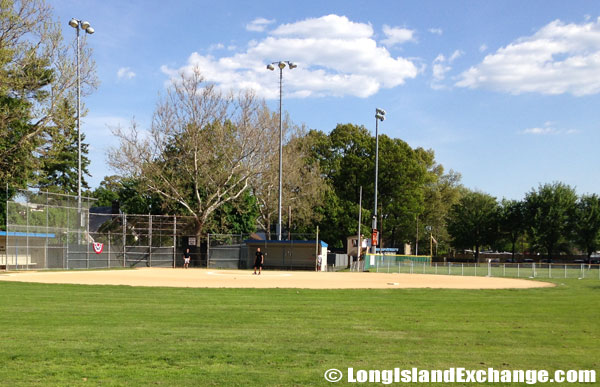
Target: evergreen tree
[58,161]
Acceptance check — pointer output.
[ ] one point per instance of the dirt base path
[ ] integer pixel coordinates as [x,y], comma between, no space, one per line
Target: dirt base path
[207,278]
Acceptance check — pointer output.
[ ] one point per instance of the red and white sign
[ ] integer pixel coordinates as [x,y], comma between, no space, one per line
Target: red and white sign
[375,238]
[98,247]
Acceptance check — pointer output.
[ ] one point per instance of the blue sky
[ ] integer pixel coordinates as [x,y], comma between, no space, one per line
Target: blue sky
[507,92]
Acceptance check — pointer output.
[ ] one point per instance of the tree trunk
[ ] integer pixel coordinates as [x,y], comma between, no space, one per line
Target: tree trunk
[514,242]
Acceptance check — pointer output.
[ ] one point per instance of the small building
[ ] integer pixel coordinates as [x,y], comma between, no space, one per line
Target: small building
[352,249]
[287,255]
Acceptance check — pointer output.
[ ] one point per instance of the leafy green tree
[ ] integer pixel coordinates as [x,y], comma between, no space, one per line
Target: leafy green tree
[440,194]
[345,158]
[511,221]
[472,221]
[551,212]
[108,191]
[347,161]
[403,177]
[587,224]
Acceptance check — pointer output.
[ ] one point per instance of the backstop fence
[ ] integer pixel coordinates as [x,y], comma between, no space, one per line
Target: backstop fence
[54,231]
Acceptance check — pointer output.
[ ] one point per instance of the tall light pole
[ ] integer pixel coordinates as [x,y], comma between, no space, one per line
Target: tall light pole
[379,116]
[84,25]
[281,65]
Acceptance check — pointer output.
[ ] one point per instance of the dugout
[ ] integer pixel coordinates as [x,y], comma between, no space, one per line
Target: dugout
[288,255]
[22,250]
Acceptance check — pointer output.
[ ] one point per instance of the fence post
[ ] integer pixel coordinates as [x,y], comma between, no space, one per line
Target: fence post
[518,270]
[489,268]
[565,270]
[388,266]
[549,270]
[449,264]
[504,270]
[108,249]
[436,268]
[87,239]
[149,240]
[476,264]
[582,271]
[533,269]
[208,251]
[175,240]
[124,239]
[423,267]
[462,269]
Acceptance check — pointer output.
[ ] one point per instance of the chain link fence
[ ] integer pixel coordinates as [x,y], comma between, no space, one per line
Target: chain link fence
[491,269]
[54,231]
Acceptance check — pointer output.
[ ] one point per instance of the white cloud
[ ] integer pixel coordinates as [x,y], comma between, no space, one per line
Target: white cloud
[548,129]
[335,57]
[217,46]
[559,58]
[455,55]
[483,48]
[436,31]
[539,131]
[125,73]
[330,26]
[259,24]
[397,35]
[440,66]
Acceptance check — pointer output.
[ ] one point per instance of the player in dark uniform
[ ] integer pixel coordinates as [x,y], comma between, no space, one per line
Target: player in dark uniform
[258,261]
[186,258]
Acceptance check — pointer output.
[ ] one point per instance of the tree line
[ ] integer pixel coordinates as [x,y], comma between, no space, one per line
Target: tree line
[550,220]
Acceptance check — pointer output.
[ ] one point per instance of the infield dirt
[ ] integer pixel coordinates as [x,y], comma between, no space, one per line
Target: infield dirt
[209,278]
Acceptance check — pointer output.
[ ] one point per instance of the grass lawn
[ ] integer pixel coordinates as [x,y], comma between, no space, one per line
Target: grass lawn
[118,335]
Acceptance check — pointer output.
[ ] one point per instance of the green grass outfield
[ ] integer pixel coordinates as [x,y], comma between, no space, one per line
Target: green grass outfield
[119,335]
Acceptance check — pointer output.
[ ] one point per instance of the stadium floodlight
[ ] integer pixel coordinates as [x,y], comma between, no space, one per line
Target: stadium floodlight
[281,64]
[379,116]
[85,25]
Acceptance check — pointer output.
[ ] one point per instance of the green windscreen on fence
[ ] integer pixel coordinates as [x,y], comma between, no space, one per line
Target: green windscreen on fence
[379,260]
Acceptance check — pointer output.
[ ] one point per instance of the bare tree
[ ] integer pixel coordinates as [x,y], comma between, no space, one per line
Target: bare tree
[203,149]
[302,184]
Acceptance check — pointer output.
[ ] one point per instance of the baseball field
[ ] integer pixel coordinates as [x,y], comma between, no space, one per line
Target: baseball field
[233,328]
